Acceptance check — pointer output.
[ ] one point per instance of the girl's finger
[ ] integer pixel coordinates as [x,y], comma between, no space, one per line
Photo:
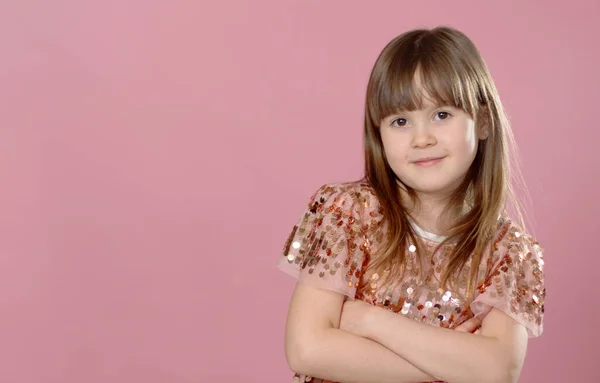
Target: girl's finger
[470,325]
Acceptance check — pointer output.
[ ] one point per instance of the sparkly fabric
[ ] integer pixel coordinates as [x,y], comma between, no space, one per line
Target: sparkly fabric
[342,226]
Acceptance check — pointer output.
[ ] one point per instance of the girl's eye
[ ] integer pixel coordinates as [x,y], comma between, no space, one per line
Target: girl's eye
[442,115]
[399,122]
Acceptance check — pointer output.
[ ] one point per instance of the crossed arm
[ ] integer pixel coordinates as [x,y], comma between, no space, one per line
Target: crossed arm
[356,342]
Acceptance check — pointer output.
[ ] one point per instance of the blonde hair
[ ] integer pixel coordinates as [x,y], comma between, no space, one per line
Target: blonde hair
[453,73]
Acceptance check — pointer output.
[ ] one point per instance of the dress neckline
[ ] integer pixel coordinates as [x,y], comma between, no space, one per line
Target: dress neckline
[426,234]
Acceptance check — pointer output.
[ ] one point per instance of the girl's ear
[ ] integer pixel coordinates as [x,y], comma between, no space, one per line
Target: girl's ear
[483,124]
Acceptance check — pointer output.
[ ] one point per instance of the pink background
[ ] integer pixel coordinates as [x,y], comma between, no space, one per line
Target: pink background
[154,155]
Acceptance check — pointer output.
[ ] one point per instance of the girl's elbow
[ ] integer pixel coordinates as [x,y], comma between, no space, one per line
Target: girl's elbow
[504,378]
[505,373]
[295,361]
[512,374]
[299,356]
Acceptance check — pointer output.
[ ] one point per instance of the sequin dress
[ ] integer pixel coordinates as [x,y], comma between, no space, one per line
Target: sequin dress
[342,226]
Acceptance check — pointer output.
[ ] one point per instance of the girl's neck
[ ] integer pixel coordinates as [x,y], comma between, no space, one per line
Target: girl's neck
[429,214]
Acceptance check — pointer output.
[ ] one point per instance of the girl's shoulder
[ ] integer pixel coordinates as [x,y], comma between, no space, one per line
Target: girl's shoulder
[357,189]
[328,244]
[357,197]
[511,237]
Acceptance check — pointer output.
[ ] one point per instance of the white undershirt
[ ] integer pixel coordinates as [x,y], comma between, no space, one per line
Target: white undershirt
[426,234]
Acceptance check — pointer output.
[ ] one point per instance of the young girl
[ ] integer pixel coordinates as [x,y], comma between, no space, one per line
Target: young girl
[415,273]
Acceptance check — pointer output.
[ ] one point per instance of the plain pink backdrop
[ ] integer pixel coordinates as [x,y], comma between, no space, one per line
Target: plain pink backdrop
[154,156]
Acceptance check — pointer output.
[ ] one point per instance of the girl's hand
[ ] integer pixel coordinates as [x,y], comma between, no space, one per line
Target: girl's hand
[355,317]
[471,325]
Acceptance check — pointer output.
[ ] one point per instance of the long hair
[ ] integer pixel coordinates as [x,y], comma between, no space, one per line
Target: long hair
[452,73]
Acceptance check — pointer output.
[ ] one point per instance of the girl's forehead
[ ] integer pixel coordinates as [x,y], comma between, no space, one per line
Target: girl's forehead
[427,101]
[424,101]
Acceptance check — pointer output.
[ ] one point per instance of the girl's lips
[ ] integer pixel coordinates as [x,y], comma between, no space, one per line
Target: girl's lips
[429,161]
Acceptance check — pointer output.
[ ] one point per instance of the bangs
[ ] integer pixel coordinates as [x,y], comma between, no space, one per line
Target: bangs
[424,73]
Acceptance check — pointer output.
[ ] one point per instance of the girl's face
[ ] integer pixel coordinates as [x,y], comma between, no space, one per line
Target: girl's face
[431,149]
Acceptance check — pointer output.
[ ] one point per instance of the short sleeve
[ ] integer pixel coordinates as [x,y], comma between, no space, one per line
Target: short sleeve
[324,248]
[516,282]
